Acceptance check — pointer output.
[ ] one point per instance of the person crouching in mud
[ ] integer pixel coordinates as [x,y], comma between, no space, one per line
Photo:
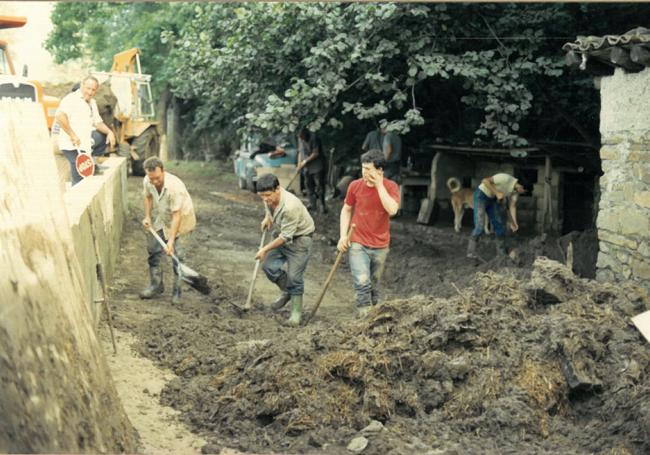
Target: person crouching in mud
[293,228]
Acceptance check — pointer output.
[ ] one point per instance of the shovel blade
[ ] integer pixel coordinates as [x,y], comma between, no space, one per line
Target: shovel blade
[185,271]
[193,278]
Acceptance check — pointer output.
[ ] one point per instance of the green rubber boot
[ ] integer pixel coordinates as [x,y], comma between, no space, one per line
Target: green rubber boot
[296,310]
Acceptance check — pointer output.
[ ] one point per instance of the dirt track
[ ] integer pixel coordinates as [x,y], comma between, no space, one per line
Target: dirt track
[246,382]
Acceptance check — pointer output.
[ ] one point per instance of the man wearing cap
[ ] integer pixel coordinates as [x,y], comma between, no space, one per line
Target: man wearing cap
[487,196]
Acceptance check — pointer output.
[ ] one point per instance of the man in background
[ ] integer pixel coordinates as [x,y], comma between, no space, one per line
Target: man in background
[310,152]
[487,196]
[77,117]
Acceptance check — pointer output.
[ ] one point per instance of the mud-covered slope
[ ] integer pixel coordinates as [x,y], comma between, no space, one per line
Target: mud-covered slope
[546,365]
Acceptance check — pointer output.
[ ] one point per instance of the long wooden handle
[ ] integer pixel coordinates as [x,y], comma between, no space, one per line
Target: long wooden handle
[247,305]
[293,178]
[337,261]
[162,244]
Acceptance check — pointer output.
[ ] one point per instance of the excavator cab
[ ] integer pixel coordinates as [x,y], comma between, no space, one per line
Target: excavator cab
[133,113]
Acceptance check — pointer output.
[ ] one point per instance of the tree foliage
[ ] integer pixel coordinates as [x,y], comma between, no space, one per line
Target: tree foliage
[490,73]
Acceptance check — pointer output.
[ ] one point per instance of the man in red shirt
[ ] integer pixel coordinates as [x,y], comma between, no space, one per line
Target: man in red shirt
[369,204]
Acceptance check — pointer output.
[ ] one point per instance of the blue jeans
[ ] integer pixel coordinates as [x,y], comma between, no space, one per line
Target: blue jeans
[295,255]
[99,148]
[156,251]
[484,205]
[367,266]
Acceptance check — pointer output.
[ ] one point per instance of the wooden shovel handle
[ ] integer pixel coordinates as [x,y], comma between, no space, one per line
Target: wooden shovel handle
[339,256]
[293,178]
[247,305]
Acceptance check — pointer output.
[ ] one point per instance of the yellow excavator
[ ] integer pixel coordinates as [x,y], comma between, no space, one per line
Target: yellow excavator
[20,87]
[129,109]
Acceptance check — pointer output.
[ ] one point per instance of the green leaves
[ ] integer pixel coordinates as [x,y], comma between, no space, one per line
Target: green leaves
[479,72]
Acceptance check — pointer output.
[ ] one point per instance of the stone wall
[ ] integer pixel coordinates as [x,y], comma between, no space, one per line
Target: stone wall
[624,212]
[57,395]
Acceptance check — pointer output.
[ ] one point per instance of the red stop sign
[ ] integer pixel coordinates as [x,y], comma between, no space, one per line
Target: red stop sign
[85,165]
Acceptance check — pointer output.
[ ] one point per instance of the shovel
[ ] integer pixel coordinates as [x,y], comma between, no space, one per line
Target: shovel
[194,279]
[247,305]
[339,256]
[293,178]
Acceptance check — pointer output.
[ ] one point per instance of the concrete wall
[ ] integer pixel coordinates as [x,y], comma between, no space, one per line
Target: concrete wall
[624,212]
[57,394]
[96,208]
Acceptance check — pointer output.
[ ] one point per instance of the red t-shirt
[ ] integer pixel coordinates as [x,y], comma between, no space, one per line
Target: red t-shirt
[371,219]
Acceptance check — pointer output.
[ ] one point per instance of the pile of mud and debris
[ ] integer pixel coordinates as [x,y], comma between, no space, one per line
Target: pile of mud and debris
[550,364]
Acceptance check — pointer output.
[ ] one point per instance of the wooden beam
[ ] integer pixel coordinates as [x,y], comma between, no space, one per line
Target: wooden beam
[482,150]
[546,206]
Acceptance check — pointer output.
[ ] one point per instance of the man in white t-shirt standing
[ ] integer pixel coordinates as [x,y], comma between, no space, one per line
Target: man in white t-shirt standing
[77,116]
[486,203]
[167,200]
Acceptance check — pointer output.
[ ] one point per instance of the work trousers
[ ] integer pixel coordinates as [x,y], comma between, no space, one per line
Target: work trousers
[392,171]
[98,149]
[156,251]
[367,266]
[487,206]
[295,255]
[315,188]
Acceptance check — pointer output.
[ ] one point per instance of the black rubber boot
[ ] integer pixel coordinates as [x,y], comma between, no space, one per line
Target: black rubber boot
[313,202]
[176,294]
[471,247]
[156,286]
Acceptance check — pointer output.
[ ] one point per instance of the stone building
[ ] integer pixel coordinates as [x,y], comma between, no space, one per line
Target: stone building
[620,66]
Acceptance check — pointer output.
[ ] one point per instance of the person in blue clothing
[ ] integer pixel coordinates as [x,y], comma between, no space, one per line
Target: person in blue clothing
[487,196]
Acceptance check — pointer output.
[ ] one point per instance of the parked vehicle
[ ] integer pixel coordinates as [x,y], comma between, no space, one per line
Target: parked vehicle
[257,152]
[13,86]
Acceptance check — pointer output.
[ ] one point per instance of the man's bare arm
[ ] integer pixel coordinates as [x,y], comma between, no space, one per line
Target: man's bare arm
[103,128]
[64,123]
[344,225]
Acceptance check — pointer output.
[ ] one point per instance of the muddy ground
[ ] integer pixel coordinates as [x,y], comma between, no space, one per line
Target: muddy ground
[463,356]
